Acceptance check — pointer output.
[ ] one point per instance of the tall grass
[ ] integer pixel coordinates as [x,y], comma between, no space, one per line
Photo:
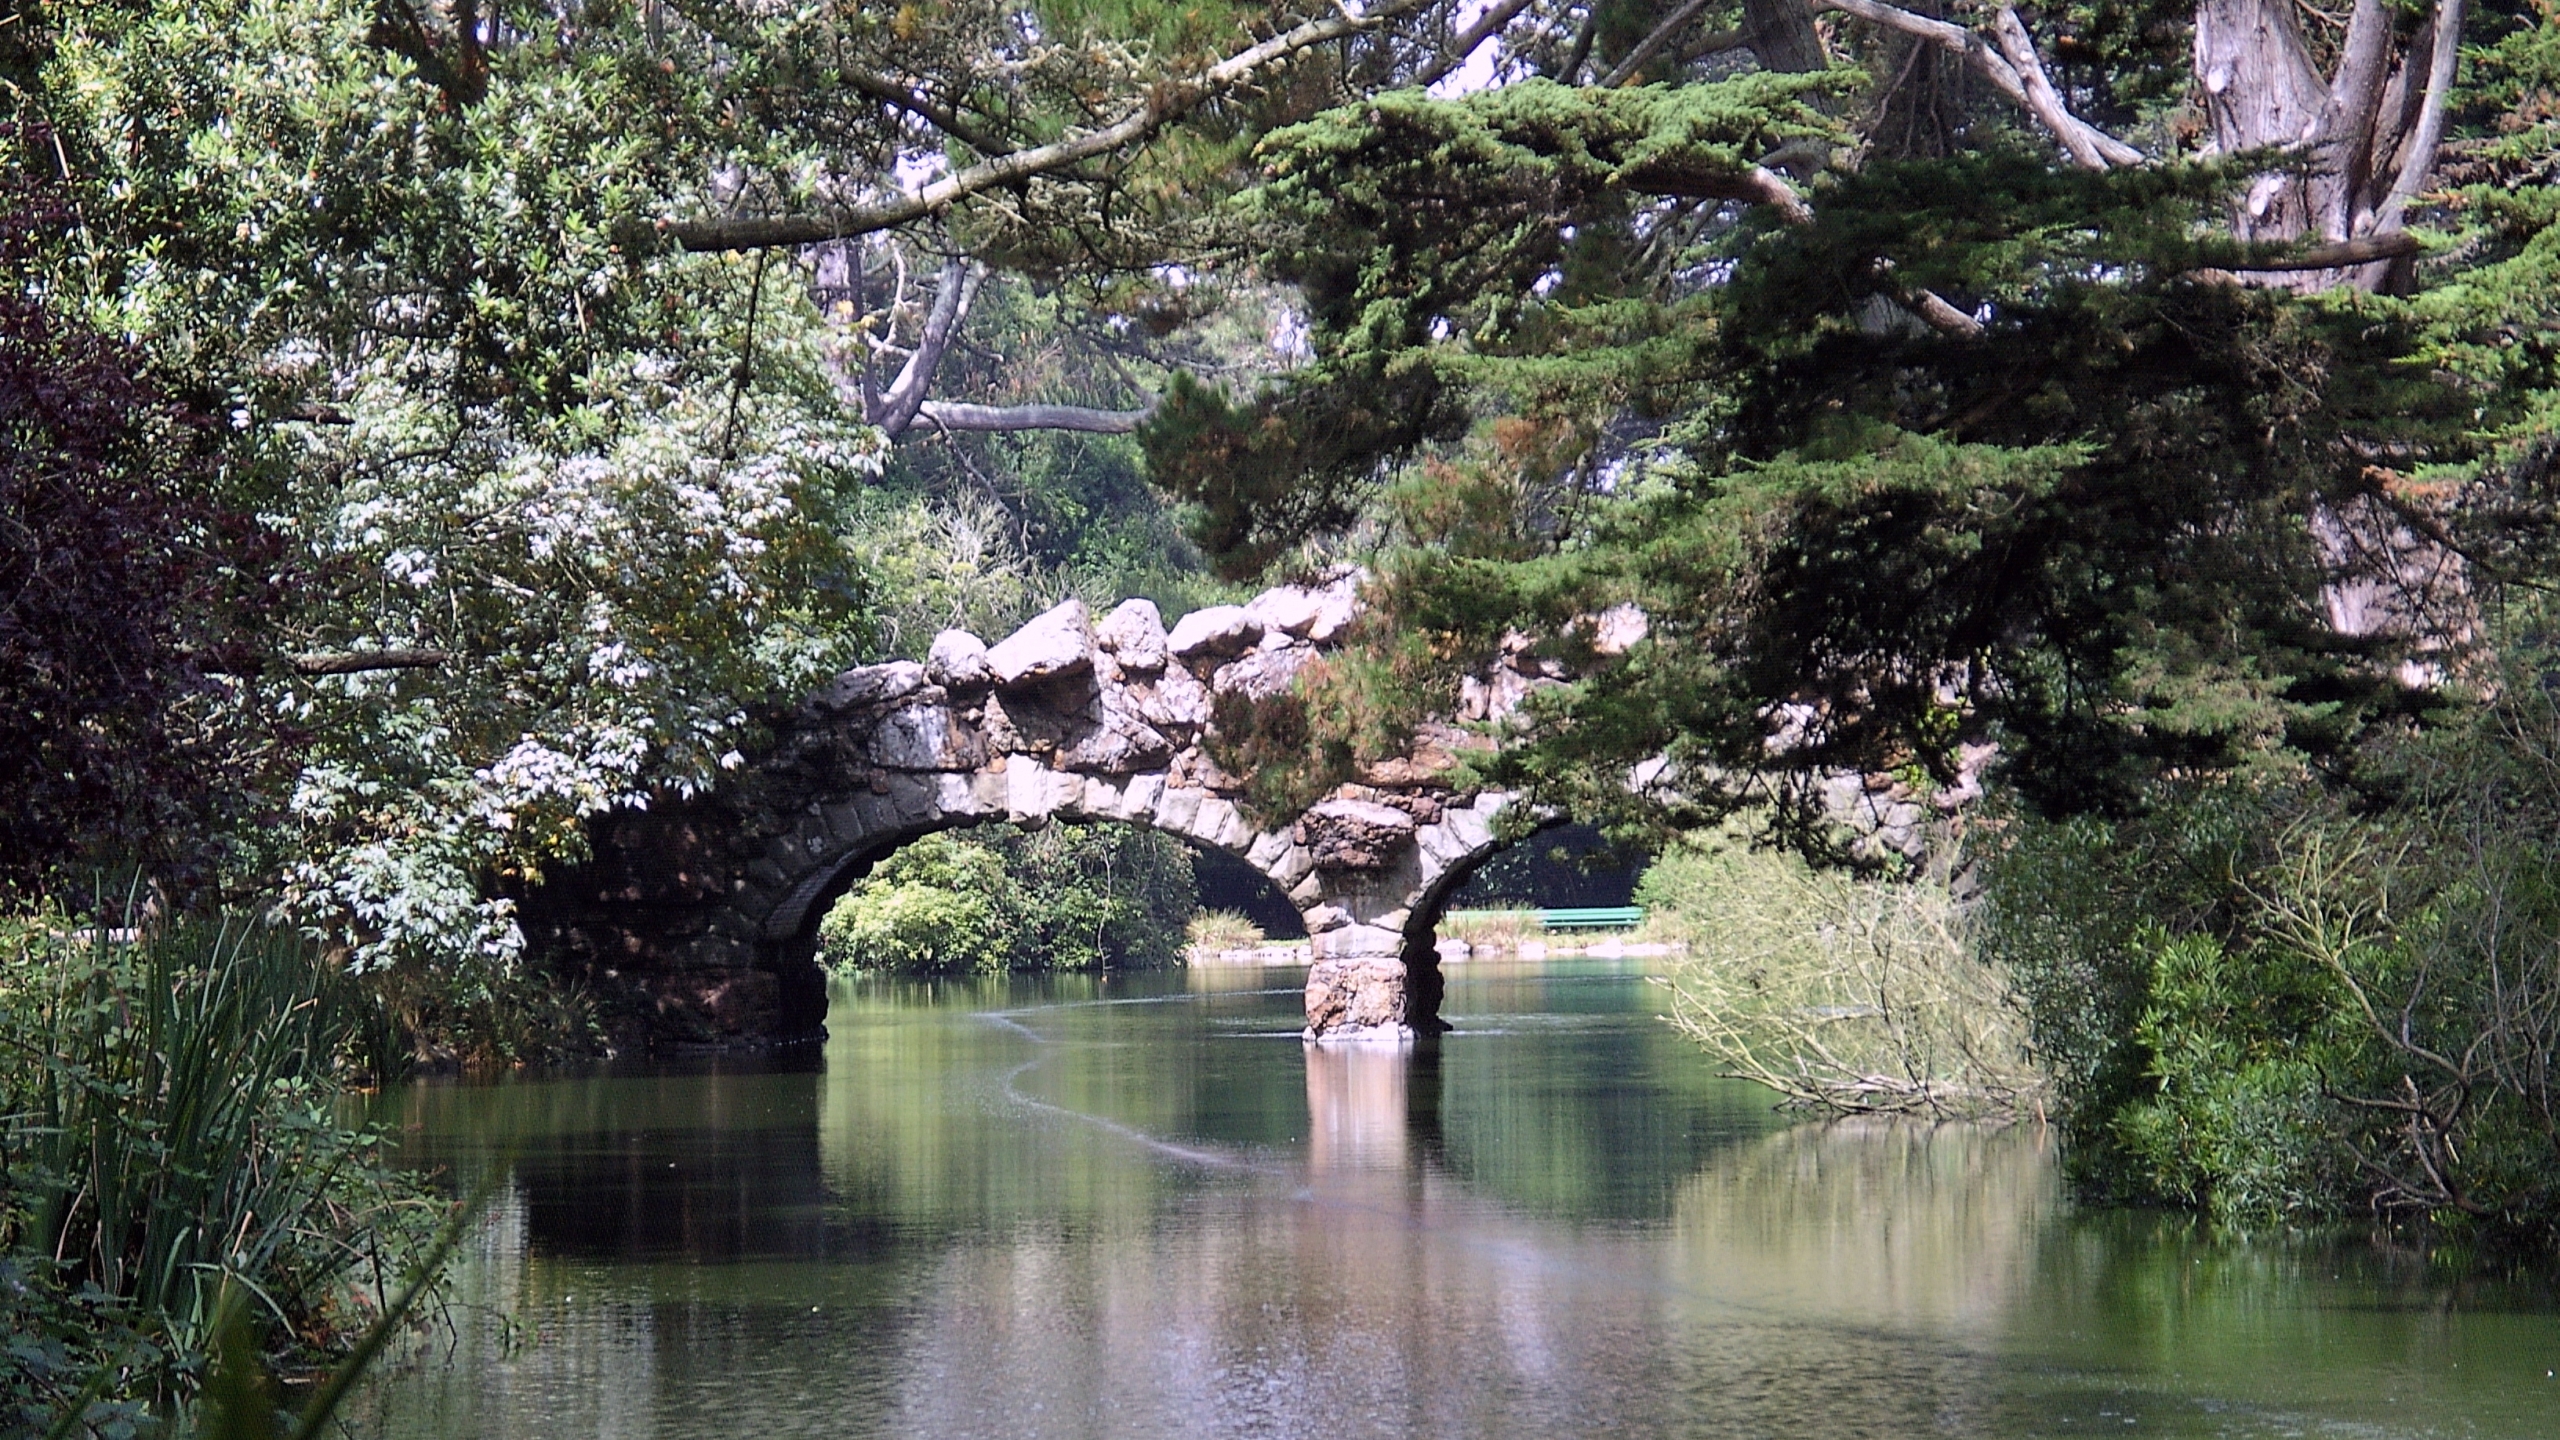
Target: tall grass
[169,1126]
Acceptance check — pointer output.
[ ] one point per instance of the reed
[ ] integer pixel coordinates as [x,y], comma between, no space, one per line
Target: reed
[169,1126]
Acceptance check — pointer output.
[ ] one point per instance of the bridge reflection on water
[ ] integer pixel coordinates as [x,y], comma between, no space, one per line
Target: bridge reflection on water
[1076,1208]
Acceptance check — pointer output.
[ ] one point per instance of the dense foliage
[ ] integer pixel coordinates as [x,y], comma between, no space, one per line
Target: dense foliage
[1067,897]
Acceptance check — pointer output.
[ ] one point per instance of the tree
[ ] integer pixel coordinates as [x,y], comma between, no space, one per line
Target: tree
[122,590]
[2028,434]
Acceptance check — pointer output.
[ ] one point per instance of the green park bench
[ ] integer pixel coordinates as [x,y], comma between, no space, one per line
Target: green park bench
[1597,917]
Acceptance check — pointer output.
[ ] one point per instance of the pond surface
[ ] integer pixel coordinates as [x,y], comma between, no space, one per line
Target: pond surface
[1072,1207]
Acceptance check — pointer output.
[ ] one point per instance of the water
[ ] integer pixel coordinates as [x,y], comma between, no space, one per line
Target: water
[1140,1208]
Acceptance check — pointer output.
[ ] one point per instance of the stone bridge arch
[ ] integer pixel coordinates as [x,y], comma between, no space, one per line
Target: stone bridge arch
[703,916]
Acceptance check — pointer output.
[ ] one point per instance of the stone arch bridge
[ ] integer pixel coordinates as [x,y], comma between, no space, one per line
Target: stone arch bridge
[700,919]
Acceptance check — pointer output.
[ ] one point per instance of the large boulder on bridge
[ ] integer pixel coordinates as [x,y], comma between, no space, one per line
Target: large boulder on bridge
[1216,632]
[1134,634]
[1056,644]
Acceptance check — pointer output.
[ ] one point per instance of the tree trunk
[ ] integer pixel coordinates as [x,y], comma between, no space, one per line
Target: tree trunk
[1781,35]
[2368,133]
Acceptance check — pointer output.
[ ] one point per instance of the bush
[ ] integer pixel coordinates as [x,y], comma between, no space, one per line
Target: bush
[1060,898]
[2278,1002]
[1840,992]
[168,1127]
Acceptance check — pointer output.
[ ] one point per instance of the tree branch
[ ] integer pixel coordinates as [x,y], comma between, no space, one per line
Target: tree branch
[1663,34]
[940,117]
[957,289]
[2338,257]
[1468,40]
[2093,149]
[2420,156]
[1162,106]
[2004,73]
[947,415]
[356,662]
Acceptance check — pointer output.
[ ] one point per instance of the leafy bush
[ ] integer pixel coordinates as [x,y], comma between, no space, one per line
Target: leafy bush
[2276,1002]
[1837,991]
[168,1127]
[1060,898]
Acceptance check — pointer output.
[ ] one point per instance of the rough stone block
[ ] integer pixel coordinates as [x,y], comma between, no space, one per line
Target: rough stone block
[1265,848]
[1134,633]
[869,685]
[1139,801]
[1294,864]
[958,659]
[1264,673]
[1353,941]
[1034,792]
[1175,810]
[1354,998]
[1439,845]
[1291,609]
[923,737]
[915,799]
[1307,891]
[1101,798]
[1176,699]
[1210,820]
[1472,829]
[1219,630]
[1356,834]
[1056,644]
[956,795]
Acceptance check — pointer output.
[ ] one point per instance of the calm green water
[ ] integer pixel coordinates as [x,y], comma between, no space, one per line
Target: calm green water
[1141,1208]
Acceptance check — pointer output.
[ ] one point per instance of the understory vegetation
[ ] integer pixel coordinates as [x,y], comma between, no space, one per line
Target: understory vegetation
[1064,897]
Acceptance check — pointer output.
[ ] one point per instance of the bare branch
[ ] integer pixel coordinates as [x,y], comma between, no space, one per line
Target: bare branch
[947,415]
[1943,317]
[2083,140]
[2420,155]
[356,662]
[1469,40]
[1663,34]
[1162,106]
[940,117]
[956,291]
[2004,71]
[2337,257]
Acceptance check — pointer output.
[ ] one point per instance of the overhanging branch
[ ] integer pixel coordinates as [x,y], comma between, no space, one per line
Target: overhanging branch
[1165,104]
[948,415]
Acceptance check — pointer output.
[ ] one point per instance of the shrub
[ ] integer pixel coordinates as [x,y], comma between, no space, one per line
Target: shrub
[2274,1001]
[1060,898]
[1840,992]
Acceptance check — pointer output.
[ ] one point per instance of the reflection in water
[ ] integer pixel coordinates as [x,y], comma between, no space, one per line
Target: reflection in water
[1075,1208]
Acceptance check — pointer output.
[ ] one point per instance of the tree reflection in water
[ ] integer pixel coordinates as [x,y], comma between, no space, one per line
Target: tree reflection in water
[1074,1207]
